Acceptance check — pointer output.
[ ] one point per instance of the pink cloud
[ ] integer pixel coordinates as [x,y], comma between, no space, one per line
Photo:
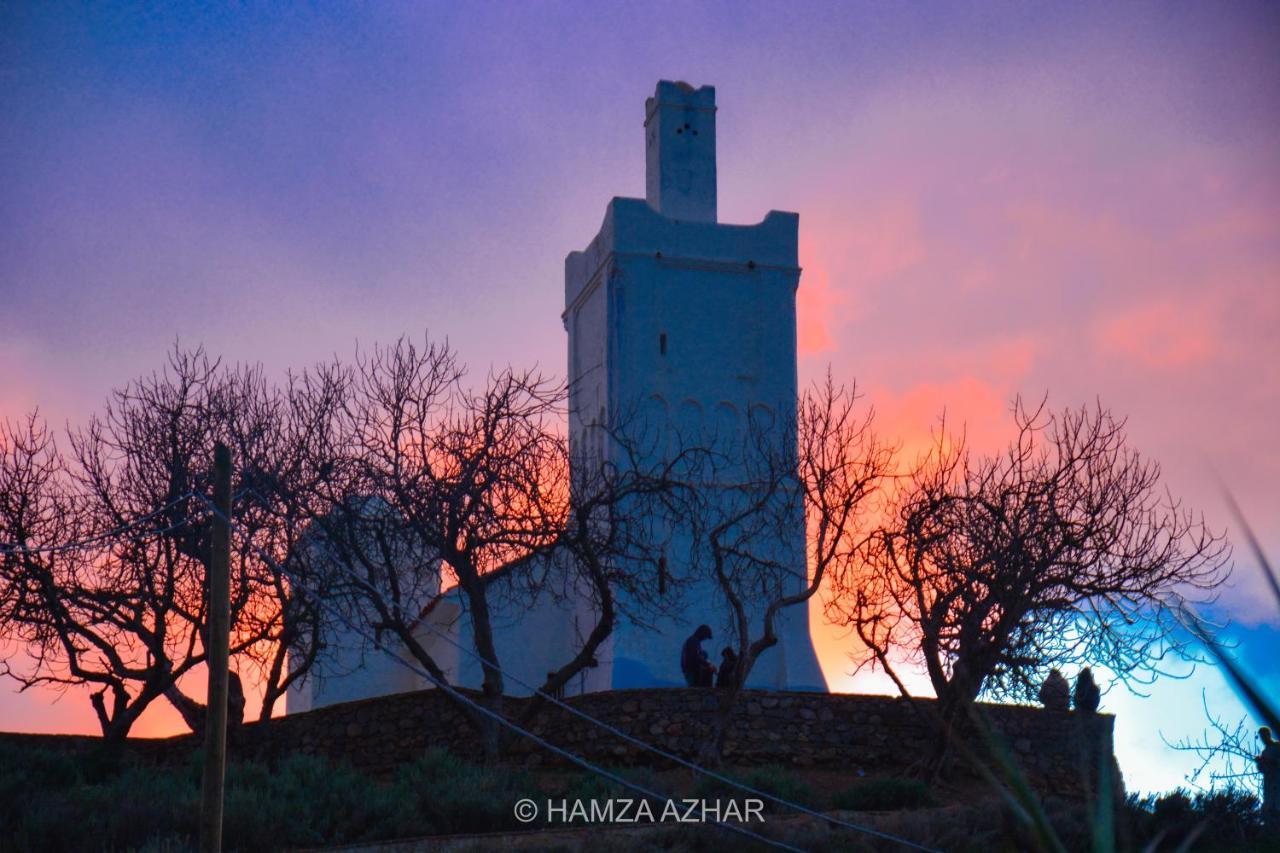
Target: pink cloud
[1161,336]
[816,303]
[861,249]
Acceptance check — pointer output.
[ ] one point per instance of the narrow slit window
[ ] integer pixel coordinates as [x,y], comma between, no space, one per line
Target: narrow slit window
[662,343]
[662,575]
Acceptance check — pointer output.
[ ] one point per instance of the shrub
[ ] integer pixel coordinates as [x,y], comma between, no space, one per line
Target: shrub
[25,770]
[305,800]
[770,779]
[55,801]
[590,786]
[121,813]
[883,795]
[1222,819]
[454,796]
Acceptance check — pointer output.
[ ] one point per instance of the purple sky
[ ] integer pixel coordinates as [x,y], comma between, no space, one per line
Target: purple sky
[994,199]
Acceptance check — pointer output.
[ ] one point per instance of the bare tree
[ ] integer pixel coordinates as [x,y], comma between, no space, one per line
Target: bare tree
[610,554]
[820,468]
[1062,549]
[478,479]
[428,479]
[1227,752]
[125,613]
[43,619]
[282,463]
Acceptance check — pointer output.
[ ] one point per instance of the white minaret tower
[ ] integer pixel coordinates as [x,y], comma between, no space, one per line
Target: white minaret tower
[692,323]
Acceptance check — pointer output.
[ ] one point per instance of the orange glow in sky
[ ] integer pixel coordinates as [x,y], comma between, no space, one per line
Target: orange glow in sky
[1081,200]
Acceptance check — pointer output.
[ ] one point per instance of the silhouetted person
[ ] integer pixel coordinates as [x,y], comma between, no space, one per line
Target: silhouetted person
[1087,694]
[1269,765]
[728,677]
[694,663]
[1055,693]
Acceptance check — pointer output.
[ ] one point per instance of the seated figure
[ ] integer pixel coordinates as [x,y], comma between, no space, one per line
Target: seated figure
[1055,693]
[728,677]
[694,664]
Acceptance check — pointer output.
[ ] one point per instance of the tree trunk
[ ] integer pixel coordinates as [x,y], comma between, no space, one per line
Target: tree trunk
[954,704]
[193,713]
[711,753]
[586,656]
[492,686]
[117,721]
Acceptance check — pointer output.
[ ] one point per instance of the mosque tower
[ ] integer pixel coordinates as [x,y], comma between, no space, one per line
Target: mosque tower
[692,323]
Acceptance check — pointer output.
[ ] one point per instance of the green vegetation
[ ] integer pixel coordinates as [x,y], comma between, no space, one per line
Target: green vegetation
[96,800]
[589,786]
[1227,819]
[770,778]
[876,795]
[453,796]
[54,801]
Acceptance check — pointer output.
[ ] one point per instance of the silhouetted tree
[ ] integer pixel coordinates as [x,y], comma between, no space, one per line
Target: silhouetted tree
[125,613]
[432,477]
[1227,752]
[614,538]
[1062,549]
[821,467]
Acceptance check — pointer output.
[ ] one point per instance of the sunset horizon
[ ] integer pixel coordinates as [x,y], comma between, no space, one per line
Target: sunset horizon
[996,203]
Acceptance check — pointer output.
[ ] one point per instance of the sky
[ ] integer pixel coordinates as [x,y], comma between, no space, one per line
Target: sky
[995,199]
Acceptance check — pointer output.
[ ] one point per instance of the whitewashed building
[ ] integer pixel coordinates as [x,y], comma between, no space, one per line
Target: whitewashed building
[691,322]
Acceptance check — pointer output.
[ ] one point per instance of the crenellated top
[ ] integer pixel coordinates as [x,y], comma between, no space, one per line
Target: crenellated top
[632,227]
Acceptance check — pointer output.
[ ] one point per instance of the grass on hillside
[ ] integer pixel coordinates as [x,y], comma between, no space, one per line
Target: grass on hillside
[51,801]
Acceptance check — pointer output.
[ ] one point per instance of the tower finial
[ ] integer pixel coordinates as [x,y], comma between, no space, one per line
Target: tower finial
[680,151]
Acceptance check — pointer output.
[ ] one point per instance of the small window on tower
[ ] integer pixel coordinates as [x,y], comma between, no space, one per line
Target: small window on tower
[662,575]
[662,344]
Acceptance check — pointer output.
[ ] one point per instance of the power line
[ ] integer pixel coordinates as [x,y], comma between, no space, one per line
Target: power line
[14,548]
[657,750]
[630,738]
[564,753]
[468,701]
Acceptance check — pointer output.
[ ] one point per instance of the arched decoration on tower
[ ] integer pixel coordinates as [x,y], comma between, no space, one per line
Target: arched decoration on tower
[652,430]
[761,417]
[727,426]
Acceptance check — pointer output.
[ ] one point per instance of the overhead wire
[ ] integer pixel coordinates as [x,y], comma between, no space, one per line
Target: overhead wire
[115,533]
[657,750]
[515,727]
[649,746]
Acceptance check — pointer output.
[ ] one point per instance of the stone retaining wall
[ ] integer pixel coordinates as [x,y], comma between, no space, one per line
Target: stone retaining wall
[872,735]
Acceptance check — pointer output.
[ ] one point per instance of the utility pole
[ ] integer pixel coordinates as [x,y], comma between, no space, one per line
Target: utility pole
[218,639]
